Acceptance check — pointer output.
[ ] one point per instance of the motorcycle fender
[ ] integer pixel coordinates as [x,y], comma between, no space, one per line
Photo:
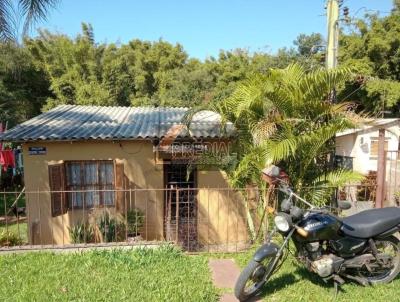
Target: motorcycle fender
[267,250]
[389,232]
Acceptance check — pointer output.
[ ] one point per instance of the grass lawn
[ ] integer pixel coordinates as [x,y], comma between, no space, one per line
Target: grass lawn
[163,274]
[294,283]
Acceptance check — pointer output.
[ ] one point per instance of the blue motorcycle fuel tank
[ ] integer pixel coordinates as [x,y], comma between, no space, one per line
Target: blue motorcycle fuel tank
[320,226]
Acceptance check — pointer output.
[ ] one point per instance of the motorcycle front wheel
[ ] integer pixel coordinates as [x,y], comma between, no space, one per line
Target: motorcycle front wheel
[253,277]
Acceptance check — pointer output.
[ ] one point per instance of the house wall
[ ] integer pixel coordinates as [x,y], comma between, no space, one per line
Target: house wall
[139,168]
[358,146]
[220,213]
[222,217]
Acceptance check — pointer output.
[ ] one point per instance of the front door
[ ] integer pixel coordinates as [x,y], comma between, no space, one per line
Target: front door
[180,211]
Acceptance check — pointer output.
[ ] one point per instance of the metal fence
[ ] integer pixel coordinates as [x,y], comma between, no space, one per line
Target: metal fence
[201,219]
[392,178]
[204,219]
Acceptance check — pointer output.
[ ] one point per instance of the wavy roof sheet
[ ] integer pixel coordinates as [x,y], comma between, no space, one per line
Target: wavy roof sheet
[70,122]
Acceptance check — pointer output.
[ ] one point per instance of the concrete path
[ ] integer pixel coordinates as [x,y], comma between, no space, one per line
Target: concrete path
[224,274]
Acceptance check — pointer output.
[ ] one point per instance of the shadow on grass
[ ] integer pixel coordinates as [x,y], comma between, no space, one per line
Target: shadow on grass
[314,278]
[276,284]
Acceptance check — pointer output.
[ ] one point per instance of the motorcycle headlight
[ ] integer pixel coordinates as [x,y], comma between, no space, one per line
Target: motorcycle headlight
[282,223]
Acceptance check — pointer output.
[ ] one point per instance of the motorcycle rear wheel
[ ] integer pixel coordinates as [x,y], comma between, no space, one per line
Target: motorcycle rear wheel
[253,277]
[389,246]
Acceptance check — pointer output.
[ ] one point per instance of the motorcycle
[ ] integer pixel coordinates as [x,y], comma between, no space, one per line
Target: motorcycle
[361,247]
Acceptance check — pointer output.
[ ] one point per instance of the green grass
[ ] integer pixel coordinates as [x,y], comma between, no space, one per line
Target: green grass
[294,283]
[163,274]
[13,228]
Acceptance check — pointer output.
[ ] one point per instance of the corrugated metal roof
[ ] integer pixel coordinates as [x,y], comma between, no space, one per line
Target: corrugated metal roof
[69,122]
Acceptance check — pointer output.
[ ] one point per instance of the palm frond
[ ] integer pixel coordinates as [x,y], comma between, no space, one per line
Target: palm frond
[322,187]
[338,178]
[6,32]
[35,10]
[283,146]
[263,130]
[318,84]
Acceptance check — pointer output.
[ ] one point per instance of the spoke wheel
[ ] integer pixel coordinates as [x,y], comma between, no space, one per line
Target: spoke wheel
[253,278]
[387,267]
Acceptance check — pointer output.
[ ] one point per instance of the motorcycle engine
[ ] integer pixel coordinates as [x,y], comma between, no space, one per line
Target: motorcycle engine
[314,250]
[322,264]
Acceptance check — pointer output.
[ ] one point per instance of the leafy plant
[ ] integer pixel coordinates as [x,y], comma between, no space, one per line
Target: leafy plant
[8,238]
[81,233]
[112,228]
[285,117]
[135,220]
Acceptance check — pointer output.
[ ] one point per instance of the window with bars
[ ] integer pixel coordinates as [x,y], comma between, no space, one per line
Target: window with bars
[89,182]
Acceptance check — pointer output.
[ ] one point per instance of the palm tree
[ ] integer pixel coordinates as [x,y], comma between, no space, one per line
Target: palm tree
[285,117]
[31,10]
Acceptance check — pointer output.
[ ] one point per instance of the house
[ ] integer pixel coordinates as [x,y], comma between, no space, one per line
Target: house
[357,149]
[80,160]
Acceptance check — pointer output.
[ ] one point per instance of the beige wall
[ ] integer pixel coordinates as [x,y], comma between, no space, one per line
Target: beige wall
[139,168]
[222,217]
[220,213]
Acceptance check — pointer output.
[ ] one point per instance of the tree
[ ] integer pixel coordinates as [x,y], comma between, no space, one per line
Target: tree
[23,88]
[370,47]
[73,67]
[305,43]
[31,10]
[284,117]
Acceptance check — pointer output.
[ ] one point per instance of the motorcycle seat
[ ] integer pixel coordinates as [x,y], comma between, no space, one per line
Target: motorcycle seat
[370,223]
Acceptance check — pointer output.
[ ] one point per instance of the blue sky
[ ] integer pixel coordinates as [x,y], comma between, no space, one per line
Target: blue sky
[203,27]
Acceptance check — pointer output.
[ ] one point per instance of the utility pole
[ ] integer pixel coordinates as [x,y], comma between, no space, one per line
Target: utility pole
[332,13]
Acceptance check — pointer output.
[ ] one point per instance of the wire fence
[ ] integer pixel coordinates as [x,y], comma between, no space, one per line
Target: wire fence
[198,220]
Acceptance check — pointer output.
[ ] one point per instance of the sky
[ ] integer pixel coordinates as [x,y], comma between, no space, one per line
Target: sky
[203,27]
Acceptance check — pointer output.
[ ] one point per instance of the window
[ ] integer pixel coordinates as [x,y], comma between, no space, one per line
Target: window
[344,162]
[87,180]
[374,147]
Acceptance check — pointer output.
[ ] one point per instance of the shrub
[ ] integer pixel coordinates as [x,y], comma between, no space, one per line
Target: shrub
[112,228]
[135,220]
[8,238]
[81,233]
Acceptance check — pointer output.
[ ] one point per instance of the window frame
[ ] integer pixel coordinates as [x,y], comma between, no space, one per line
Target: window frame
[84,187]
[375,140]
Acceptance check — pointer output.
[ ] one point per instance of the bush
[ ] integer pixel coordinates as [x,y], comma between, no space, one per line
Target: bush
[8,238]
[112,228]
[81,233]
[135,220]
